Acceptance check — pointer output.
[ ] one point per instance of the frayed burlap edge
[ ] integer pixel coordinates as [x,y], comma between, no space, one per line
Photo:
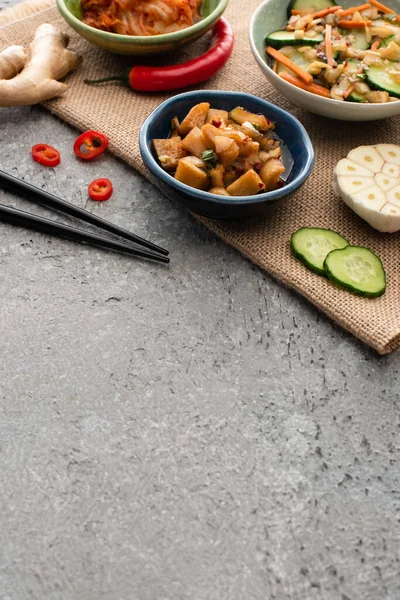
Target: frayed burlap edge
[264,241]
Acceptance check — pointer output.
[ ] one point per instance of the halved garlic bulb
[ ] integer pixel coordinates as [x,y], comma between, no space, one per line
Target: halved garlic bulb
[368,180]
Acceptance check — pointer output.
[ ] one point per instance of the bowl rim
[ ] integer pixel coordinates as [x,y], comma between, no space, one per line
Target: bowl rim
[158,171]
[263,64]
[147,40]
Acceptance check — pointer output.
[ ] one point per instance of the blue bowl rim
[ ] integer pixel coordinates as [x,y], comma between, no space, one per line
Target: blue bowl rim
[201,95]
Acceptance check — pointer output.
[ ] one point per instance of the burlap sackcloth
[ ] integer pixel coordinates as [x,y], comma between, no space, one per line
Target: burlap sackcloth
[119,112]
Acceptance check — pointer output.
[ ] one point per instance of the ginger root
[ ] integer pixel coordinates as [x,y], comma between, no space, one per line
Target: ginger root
[12,60]
[50,61]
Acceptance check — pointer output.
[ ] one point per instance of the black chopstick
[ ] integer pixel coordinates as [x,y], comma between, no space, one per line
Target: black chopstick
[42,197]
[25,219]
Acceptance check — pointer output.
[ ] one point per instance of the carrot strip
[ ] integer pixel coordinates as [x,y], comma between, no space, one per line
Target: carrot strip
[314,88]
[301,13]
[306,77]
[375,45]
[384,9]
[319,14]
[328,44]
[354,9]
[354,24]
[348,91]
[275,67]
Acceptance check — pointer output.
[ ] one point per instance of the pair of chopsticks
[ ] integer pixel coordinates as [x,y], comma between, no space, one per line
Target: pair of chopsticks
[30,221]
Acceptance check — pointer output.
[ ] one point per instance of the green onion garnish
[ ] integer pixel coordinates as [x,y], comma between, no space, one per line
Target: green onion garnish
[208,157]
[386,42]
[256,127]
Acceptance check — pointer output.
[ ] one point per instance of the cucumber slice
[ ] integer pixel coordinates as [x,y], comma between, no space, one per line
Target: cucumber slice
[356,269]
[356,97]
[379,78]
[278,39]
[299,59]
[353,67]
[309,5]
[312,245]
[357,39]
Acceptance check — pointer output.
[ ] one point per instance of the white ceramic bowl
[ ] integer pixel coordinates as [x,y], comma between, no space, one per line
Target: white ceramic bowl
[270,16]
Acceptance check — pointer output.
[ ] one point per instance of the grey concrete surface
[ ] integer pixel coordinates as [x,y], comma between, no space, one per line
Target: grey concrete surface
[196,432]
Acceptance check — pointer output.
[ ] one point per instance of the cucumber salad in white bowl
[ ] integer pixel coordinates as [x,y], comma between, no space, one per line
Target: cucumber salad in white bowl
[342,62]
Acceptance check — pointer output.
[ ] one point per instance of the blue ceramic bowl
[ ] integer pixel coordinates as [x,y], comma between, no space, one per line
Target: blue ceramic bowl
[288,128]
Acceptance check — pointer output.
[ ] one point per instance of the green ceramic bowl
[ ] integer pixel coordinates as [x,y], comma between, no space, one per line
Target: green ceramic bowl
[141,45]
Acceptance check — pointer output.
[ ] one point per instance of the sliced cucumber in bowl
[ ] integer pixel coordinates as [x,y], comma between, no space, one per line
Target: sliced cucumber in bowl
[298,58]
[356,97]
[278,39]
[309,5]
[358,39]
[380,78]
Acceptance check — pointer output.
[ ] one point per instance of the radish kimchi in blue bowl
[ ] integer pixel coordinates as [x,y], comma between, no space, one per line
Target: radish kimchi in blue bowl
[297,156]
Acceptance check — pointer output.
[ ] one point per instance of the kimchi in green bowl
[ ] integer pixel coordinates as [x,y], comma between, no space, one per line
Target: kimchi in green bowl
[208,13]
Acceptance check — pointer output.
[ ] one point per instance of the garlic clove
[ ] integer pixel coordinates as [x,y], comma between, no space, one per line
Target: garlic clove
[349,167]
[393,196]
[385,182]
[389,153]
[352,185]
[389,220]
[368,204]
[391,169]
[368,157]
[391,209]
[373,198]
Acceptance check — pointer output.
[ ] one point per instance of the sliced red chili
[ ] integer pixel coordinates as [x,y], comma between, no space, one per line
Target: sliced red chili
[46,155]
[90,144]
[100,189]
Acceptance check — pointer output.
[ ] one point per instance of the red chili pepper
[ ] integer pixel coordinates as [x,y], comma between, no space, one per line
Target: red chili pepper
[100,189]
[90,144]
[46,155]
[197,70]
